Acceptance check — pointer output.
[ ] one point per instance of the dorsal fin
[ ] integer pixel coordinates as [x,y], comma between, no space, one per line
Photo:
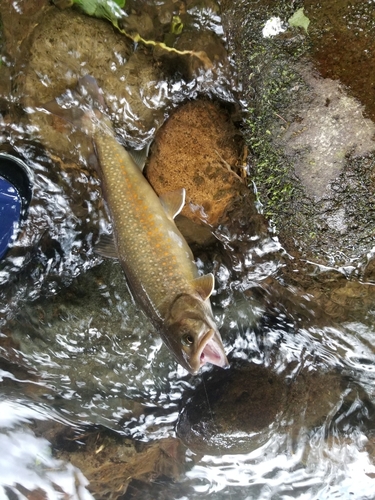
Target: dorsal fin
[205,285]
[173,202]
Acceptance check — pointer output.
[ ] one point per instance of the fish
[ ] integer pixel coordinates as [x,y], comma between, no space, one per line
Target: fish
[157,262]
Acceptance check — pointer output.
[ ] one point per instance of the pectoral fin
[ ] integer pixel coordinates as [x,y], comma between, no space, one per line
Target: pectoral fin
[106,246]
[205,285]
[173,202]
[140,156]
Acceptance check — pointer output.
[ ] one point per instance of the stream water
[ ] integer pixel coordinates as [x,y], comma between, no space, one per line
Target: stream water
[293,417]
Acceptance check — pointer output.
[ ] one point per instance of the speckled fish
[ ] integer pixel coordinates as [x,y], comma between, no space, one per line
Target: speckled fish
[156,259]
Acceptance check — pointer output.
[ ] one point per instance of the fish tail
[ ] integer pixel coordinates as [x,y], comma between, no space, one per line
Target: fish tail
[89,89]
[83,107]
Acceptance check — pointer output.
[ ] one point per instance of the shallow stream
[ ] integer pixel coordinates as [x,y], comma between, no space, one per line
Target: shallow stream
[85,382]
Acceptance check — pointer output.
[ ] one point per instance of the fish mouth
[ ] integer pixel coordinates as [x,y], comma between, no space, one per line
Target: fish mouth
[211,350]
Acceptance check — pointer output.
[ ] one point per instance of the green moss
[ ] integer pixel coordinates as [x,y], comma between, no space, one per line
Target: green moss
[271,172]
[270,90]
[276,95]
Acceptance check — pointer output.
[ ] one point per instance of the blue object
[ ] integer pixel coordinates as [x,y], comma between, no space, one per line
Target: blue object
[15,196]
[10,214]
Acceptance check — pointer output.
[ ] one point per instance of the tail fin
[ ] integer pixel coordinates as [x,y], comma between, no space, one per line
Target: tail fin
[88,88]
[82,107]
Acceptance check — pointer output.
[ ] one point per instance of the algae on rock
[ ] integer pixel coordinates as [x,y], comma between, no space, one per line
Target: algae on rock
[306,135]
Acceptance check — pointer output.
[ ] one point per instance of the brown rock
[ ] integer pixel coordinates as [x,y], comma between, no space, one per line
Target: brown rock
[238,410]
[198,149]
[110,461]
[66,46]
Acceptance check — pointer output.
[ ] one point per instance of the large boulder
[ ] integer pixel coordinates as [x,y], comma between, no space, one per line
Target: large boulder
[311,137]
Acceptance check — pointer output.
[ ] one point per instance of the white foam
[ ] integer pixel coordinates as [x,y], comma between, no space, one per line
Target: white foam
[273,27]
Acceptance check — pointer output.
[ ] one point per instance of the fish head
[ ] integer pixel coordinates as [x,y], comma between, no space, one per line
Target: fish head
[191,334]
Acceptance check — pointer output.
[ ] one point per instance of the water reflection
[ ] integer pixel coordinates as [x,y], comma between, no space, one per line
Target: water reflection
[274,471]
[318,444]
[101,365]
[27,466]
[98,362]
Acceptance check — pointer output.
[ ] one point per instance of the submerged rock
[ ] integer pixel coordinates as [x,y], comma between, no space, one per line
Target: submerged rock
[61,50]
[109,461]
[199,148]
[343,48]
[330,127]
[240,410]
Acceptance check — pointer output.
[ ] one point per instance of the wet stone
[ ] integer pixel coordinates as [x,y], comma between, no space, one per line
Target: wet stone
[111,461]
[309,125]
[200,149]
[68,45]
[343,46]
[240,410]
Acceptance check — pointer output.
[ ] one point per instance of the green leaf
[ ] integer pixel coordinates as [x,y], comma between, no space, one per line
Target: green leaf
[176,25]
[103,9]
[299,20]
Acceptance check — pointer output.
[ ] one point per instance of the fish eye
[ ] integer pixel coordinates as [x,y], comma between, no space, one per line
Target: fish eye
[187,339]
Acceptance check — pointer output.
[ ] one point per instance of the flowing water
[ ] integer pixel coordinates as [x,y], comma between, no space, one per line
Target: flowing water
[86,382]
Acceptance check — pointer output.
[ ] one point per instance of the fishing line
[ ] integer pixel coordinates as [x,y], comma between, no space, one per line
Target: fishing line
[208,401]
